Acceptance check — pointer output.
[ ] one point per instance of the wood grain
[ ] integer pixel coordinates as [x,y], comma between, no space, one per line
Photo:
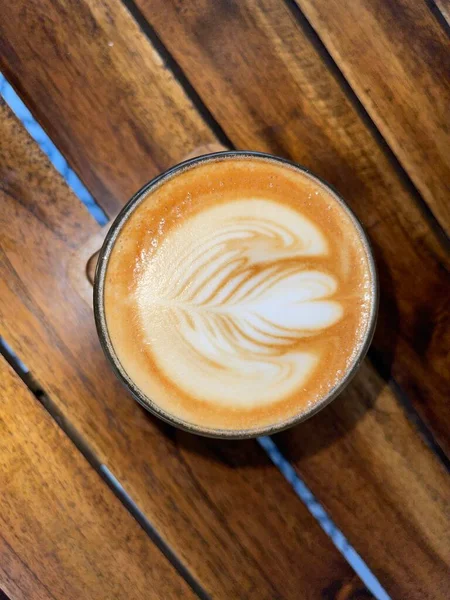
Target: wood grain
[100,90]
[223,508]
[270,90]
[345,153]
[383,487]
[63,534]
[396,57]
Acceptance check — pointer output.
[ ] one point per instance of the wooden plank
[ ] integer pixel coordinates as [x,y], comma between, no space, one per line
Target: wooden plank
[227,513]
[101,92]
[63,533]
[385,489]
[270,90]
[396,57]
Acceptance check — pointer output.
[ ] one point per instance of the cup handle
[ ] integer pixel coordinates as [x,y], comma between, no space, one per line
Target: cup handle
[82,264]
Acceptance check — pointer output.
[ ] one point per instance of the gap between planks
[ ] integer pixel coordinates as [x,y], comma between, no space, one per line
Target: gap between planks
[441,12]
[316,41]
[110,480]
[178,73]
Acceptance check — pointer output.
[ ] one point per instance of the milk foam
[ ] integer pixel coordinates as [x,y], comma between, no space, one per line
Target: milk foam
[225,298]
[238,294]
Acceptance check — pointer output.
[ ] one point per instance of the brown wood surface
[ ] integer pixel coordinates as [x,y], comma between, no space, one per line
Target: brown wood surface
[259,74]
[396,57]
[101,92]
[261,77]
[63,533]
[224,509]
[270,90]
[364,460]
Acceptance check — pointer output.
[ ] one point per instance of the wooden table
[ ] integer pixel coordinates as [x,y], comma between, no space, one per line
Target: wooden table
[356,90]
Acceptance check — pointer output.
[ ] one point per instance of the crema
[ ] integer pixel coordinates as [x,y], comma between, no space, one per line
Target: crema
[238,293]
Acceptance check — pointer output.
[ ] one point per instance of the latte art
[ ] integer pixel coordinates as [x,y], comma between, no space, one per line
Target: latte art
[237,294]
[234,303]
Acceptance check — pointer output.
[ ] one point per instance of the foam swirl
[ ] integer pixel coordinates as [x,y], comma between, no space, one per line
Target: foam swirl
[226,299]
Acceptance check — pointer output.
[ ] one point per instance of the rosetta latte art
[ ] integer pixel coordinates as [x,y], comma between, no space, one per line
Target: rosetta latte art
[226,302]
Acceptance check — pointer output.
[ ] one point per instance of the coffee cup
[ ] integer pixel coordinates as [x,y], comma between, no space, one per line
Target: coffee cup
[235,295]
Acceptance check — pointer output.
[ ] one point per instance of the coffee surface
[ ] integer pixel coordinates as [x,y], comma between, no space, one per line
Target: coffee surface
[237,293]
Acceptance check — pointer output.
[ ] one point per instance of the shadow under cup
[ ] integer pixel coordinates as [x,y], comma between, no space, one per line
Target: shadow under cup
[100,318]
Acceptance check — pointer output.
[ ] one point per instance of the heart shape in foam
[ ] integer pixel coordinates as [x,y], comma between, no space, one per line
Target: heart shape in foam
[226,298]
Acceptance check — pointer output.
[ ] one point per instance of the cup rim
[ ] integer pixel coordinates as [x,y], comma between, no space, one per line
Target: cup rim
[100,318]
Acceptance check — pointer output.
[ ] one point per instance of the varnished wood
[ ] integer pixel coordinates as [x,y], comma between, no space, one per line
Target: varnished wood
[384,488]
[396,56]
[101,92]
[63,533]
[227,513]
[386,207]
[267,87]
[270,90]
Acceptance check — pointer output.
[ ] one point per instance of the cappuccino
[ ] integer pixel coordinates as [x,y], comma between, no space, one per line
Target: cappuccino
[238,294]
